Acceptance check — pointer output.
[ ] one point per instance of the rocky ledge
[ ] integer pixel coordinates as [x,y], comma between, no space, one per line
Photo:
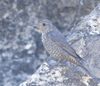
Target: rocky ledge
[85,39]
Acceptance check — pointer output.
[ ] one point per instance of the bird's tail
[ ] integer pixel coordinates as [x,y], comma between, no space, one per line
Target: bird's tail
[83,65]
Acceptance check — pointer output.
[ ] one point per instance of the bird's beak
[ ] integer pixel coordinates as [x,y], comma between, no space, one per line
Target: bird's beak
[35,26]
[36,29]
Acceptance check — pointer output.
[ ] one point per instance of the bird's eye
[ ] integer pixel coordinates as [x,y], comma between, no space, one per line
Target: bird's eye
[44,24]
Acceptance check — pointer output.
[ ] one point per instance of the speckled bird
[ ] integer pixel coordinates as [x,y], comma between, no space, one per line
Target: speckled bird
[56,45]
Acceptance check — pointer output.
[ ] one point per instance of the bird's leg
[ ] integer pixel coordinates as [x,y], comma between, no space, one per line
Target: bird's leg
[51,62]
[58,62]
[55,62]
[61,62]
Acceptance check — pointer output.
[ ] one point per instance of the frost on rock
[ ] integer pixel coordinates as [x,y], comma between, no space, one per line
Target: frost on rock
[85,39]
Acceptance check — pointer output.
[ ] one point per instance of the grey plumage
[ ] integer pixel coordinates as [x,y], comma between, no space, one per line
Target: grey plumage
[56,44]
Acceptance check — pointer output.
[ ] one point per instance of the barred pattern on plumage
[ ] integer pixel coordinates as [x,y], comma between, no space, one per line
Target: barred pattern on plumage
[56,45]
[55,51]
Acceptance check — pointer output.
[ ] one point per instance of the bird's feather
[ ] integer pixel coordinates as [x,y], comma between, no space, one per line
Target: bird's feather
[60,40]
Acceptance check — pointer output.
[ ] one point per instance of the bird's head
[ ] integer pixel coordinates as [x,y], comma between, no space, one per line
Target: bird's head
[44,26]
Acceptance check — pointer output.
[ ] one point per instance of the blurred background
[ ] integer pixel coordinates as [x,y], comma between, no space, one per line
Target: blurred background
[21,50]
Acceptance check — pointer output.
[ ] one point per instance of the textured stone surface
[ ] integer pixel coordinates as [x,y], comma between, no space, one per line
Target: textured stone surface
[21,51]
[58,76]
[85,39]
[54,77]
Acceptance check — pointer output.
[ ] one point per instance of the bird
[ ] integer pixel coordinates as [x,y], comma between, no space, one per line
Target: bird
[56,45]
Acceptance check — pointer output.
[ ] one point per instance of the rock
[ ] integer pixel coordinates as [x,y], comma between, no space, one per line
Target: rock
[21,51]
[85,39]
[57,76]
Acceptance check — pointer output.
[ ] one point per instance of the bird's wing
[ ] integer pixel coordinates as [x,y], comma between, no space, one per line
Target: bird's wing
[60,40]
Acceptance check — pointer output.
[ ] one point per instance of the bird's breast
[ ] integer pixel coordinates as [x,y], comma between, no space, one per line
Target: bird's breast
[55,51]
[51,47]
